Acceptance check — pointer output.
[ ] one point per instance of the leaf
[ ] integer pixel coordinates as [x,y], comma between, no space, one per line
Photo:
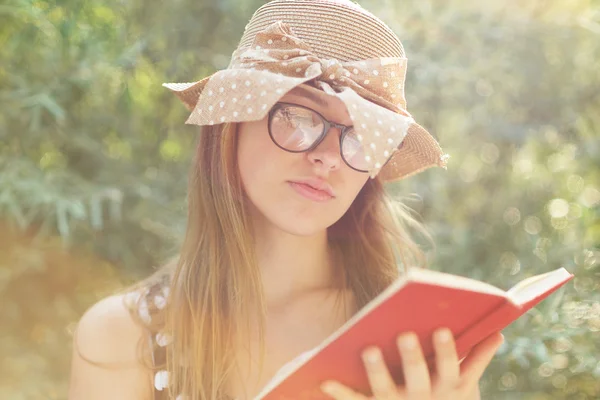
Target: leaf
[62,219]
[52,107]
[129,56]
[77,210]
[96,212]
[115,197]
[541,352]
[554,302]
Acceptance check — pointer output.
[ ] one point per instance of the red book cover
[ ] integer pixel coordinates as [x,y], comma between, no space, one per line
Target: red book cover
[422,301]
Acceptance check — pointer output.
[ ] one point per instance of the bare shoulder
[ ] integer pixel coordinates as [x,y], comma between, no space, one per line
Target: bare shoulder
[107,331]
[107,359]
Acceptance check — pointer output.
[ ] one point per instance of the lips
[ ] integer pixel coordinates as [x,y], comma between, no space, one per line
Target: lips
[313,189]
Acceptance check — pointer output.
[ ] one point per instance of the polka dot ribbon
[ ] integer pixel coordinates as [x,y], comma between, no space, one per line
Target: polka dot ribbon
[277,61]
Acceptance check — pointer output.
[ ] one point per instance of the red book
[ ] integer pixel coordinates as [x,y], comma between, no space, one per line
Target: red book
[421,301]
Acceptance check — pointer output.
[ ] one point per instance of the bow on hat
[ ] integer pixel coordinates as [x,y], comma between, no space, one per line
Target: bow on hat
[277,61]
[275,49]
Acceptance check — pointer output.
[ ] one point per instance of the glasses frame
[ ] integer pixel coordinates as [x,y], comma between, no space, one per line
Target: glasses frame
[344,129]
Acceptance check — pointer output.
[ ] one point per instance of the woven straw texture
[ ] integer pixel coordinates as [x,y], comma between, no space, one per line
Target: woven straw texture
[343,31]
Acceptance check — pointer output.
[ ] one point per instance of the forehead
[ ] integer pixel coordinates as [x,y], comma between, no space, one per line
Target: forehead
[329,106]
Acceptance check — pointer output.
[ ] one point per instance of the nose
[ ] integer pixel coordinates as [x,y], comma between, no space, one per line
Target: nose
[327,154]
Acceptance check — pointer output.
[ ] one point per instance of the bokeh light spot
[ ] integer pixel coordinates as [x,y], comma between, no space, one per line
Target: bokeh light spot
[590,196]
[532,225]
[509,380]
[512,216]
[558,208]
[545,370]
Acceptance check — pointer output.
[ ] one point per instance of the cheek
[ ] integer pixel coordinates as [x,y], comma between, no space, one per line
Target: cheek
[260,162]
[255,155]
[354,183]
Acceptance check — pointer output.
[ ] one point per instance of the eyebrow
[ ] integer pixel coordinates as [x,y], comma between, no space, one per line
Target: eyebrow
[310,95]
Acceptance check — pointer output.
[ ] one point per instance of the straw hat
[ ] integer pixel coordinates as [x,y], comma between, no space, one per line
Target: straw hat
[334,46]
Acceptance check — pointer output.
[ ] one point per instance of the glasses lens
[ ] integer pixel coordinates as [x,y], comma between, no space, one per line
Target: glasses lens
[353,151]
[295,128]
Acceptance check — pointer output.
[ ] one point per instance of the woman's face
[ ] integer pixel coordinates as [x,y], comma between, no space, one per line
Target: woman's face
[278,183]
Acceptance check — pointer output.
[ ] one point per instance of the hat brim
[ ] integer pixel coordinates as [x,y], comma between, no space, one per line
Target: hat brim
[419,150]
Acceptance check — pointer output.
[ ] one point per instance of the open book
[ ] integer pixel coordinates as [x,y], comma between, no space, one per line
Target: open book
[421,301]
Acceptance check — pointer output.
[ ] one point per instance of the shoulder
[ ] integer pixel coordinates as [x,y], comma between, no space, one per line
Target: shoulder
[108,329]
[109,354]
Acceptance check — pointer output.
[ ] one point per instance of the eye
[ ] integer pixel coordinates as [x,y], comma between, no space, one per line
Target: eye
[351,144]
[296,128]
[353,151]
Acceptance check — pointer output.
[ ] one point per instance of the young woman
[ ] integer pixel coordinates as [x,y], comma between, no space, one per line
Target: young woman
[290,231]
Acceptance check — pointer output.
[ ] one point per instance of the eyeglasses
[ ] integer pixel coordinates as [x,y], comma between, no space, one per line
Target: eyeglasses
[299,129]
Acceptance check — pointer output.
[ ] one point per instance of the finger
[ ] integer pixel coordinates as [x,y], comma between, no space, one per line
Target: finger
[382,384]
[340,392]
[446,360]
[416,373]
[479,357]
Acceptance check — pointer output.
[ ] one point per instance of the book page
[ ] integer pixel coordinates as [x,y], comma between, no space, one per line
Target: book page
[430,277]
[530,288]
[452,281]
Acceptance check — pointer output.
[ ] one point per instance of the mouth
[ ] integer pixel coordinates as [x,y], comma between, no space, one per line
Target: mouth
[313,189]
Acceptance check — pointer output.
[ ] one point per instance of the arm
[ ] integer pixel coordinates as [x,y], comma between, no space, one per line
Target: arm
[106,362]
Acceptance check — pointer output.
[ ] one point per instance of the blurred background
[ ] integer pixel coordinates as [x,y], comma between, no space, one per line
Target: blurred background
[94,158]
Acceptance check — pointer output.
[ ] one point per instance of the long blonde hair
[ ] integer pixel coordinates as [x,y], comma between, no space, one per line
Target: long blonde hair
[216,278]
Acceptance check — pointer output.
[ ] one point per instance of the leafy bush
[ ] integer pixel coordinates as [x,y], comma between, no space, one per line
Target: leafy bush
[94,158]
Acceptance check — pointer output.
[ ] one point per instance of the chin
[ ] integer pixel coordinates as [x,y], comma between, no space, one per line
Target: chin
[301,225]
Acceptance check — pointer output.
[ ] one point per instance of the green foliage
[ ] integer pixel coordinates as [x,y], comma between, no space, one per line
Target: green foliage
[511,94]
[93,149]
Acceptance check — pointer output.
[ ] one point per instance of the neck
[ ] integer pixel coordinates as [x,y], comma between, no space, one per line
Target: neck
[292,265]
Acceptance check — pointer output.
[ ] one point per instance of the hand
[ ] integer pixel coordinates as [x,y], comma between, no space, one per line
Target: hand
[452,381]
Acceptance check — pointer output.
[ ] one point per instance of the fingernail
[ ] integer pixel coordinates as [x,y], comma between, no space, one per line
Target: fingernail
[371,355]
[328,387]
[443,335]
[408,342]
